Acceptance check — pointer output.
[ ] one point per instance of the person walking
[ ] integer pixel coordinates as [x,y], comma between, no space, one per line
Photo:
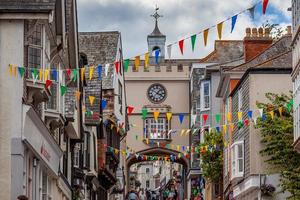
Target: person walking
[132,195]
[142,195]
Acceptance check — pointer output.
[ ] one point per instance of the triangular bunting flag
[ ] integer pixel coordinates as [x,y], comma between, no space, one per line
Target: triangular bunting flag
[126,65]
[75,72]
[21,71]
[240,116]
[46,77]
[129,110]
[272,114]
[68,71]
[224,128]
[54,75]
[229,117]
[231,126]
[99,72]
[106,69]
[63,90]
[156,114]
[136,63]
[181,43]
[218,129]
[261,112]
[181,117]
[91,72]
[82,73]
[103,104]
[169,51]
[205,36]
[205,117]
[193,41]
[34,78]
[146,60]
[117,67]
[246,122]
[169,116]
[15,71]
[252,11]
[220,28]
[10,69]
[233,22]
[218,118]
[77,95]
[157,52]
[144,113]
[48,84]
[250,114]
[265,5]
[91,99]
[41,74]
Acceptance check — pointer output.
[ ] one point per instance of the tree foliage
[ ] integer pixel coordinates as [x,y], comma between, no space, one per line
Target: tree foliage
[277,137]
[211,156]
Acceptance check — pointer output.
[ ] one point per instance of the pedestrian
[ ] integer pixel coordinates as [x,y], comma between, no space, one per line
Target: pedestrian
[132,195]
[142,195]
[22,197]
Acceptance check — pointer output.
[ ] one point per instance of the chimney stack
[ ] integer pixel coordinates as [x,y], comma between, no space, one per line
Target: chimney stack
[256,41]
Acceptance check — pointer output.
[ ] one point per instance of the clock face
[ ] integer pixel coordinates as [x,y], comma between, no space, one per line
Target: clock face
[157,93]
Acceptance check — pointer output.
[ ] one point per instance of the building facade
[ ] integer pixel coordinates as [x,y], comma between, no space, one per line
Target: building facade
[35,147]
[296,67]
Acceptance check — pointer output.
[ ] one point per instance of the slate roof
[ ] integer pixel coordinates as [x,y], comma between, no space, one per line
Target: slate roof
[27,5]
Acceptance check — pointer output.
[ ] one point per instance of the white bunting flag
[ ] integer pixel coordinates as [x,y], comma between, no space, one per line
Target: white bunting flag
[106,69]
[169,49]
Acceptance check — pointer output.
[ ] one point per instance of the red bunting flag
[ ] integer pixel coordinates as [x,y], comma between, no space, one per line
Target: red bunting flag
[181,42]
[69,73]
[130,109]
[48,83]
[246,122]
[117,66]
[205,117]
[265,5]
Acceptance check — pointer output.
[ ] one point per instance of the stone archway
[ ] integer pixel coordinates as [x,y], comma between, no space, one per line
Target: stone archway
[157,151]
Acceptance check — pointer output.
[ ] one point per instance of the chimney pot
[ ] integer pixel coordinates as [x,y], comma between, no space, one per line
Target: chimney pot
[289,30]
[260,32]
[254,32]
[248,32]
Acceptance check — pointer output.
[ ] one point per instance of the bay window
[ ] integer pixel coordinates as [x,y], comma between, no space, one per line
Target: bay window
[205,95]
[237,159]
[156,129]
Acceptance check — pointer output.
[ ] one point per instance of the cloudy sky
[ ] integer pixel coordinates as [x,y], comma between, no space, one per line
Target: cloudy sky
[181,18]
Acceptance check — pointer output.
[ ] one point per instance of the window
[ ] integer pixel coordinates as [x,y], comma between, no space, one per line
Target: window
[147,184]
[205,95]
[120,93]
[147,170]
[156,129]
[180,68]
[77,155]
[87,150]
[237,159]
[226,160]
[46,186]
[240,99]
[227,109]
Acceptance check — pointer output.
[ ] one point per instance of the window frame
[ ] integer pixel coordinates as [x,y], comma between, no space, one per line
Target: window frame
[235,173]
[203,104]
[147,125]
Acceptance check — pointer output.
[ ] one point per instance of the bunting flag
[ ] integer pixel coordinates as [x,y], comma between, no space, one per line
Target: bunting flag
[156,114]
[106,69]
[224,128]
[265,5]
[250,114]
[21,71]
[261,112]
[129,110]
[68,72]
[240,116]
[218,118]
[218,129]
[126,65]
[272,114]
[77,95]
[246,122]
[280,109]
[54,75]
[220,28]
[75,72]
[136,63]
[63,90]
[144,113]
[205,36]
[205,117]
[48,84]
[231,126]
[193,41]
[99,72]
[41,74]
[181,118]
[10,68]
[252,12]
[229,117]
[146,60]
[15,71]
[169,116]
[233,22]
[103,104]
[181,43]
[157,52]
[169,51]
[91,99]
[34,77]
[117,67]
[46,77]
[91,72]
[82,74]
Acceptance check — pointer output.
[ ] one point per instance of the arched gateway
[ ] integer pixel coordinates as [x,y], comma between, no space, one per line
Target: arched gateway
[155,90]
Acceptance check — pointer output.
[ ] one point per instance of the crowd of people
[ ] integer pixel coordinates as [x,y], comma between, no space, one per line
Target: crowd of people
[142,195]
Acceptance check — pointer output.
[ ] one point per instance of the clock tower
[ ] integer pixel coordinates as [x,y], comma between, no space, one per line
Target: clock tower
[156,41]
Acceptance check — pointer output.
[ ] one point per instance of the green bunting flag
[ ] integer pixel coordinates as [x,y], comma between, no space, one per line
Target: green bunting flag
[144,113]
[126,64]
[63,90]
[193,40]
[75,72]
[218,118]
[35,72]
[21,71]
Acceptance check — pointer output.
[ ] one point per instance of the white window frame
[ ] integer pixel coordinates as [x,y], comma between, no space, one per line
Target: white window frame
[46,192]
[77,155]
[240,99]
[235,158]
[159,133]
[226,160]
[203,106]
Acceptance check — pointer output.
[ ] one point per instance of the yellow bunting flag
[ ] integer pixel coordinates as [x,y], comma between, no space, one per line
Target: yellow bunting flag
[15,71]
[82,73]
[172,146]
[280,109]
[240,116]
[178,148]
[91,72]
[182,132]
[187,131]
[136,63]
[46,77]
[41,74]
[169,116]
[205,36]
[224,128]
[77,95]
[220,28]
[10,69]
[146,60]
[116,151]
[147,141]
[156,114]
[229,117]
[232,126]
[92,99]
[272,114]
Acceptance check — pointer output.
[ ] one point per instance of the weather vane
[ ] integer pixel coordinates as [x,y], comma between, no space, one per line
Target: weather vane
[156,15]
